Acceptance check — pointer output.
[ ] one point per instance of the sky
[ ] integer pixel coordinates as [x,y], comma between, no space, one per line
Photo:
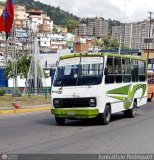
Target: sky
[122,10]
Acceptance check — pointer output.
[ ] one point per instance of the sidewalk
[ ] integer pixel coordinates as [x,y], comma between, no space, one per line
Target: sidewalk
[25,109]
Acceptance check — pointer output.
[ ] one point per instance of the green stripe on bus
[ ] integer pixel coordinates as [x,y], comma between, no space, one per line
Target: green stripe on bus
[98,55]
[127,91]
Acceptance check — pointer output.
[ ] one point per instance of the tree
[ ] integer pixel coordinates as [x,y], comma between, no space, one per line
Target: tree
[72,26]
[96,43]
[55,30]
[108,43]
[125,48]
[114,44]
[23,64]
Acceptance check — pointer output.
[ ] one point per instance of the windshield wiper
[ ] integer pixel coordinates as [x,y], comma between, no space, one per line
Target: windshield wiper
[87,83]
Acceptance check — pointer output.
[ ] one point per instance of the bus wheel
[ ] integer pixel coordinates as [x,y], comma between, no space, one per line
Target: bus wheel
[60,121]
[149,99]
[130,113]
[106,116]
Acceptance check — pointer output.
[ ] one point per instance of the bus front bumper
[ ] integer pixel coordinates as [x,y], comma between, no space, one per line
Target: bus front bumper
[75,113]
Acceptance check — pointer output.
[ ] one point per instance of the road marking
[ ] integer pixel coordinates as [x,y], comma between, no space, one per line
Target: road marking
[19,115]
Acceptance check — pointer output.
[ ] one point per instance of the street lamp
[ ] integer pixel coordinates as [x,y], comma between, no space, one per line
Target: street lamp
[149,35]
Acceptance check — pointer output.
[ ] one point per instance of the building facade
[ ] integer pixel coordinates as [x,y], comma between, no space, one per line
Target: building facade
[49,42]
[134,34]
[38,17]
[118,32]
[82,30]
[91,27]
[96,27]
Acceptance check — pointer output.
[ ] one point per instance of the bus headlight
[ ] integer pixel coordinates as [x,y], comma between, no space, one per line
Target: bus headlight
[56,102]
[92,102]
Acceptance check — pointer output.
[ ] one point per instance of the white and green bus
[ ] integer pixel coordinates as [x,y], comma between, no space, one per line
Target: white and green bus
[98,85]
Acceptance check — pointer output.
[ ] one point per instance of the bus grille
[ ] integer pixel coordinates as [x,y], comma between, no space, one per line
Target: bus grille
[73,102]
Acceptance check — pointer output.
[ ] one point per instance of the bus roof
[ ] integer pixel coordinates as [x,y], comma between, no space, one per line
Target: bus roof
[98,55]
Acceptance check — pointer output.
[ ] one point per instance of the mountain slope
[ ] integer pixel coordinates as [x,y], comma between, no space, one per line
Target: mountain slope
[59,16]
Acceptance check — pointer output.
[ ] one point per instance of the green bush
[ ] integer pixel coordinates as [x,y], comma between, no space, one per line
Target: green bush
[2,92]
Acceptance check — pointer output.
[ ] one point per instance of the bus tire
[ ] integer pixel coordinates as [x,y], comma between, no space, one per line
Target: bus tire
[131,113]
[106,116]
[149,100]
[59,120]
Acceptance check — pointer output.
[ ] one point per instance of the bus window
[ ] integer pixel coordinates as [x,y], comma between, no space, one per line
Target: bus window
[91,69]
[142,67]
[109,77]
[134,70]
[150,73]
[150,77]
[118,70]
[126,69]
[150,66]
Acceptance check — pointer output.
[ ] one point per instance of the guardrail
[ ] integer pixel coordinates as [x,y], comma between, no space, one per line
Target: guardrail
[29,91]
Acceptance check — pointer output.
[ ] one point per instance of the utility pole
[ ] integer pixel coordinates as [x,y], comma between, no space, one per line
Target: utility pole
[6,50]
[14,65]
[35,64]
[120,43]
[149,34]
[130,38]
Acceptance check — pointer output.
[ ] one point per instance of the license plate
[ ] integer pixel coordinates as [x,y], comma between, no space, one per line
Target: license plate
[71,113]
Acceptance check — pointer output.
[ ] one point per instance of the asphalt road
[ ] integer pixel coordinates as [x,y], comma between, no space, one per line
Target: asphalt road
[39,133]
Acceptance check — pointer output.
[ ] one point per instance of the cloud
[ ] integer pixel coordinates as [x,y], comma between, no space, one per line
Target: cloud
[123,10]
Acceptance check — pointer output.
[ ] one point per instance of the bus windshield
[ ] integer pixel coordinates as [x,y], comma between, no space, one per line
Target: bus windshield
[79,75]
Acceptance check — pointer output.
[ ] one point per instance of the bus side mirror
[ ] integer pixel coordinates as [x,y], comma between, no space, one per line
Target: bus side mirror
[106,72]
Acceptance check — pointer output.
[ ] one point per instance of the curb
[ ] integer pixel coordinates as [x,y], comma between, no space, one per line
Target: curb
[16,111]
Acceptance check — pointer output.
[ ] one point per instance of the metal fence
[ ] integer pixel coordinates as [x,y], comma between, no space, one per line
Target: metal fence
[28,91]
